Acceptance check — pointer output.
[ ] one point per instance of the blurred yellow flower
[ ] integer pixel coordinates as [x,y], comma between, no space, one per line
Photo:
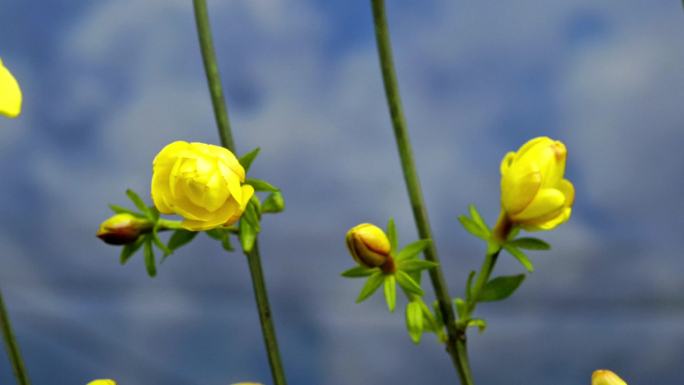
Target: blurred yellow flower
[368,245]
[200,182]
[534,194]
[247,383]
[606,377]
[10,93]
[102,382]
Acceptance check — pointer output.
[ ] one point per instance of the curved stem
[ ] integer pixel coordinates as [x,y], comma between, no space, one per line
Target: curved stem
[213,76]
[12,347]
[253,257]
[265,317]
[456,343]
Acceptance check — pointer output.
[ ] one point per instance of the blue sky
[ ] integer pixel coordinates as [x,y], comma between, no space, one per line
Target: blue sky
[109,83]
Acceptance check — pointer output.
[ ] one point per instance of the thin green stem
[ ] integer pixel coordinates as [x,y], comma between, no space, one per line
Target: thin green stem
[456,343]
[265,316]
[253,257]
[12,346]
[482,279]
[213,76]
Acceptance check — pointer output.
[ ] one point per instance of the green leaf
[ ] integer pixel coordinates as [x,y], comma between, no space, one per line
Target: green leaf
[413,249]
[251,215]
[274,203]
[122,210]
[359,271]
[430,321]
[248,235]
[372,284]
[520,256]
[479,323]
[473,228]
[160,244]
[261,185]
[150,263]
[469,285]
[392,235]
[414,321]
[128,250]
[530,244]
[140,204]
[247,159]
[460,307]
[218,233]
[391,292]
[408,283]
[477,218]
[180,238]
[227,244]
[500,288]
[410,265]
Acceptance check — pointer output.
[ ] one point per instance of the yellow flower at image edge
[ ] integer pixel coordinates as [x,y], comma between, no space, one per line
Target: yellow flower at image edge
[606,377]
[102,382]
[202,183]
[10,94]
[534,194]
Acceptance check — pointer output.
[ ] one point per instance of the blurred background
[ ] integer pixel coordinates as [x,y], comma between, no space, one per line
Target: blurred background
[108,83]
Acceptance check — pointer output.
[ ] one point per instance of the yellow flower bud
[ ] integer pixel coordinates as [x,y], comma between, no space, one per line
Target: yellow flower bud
[102,382]
[606,377]
[122,229]
[10,93]
[534,194]
[368,244]
[200,182]
[247,383]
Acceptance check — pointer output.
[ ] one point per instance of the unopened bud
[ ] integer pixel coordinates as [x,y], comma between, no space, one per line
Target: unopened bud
[368,244]
[606,377]
[102,382]
[122,229]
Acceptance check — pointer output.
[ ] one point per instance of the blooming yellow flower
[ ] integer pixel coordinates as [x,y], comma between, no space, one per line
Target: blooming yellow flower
[368,244]
[534,194]
[606,377]
[10,93]
[200,182]
[102,382]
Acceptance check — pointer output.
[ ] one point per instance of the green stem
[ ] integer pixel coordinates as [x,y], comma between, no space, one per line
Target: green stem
[253,257]
[482,279]
[265,316]
[456,343]
[12,347]
[213,76]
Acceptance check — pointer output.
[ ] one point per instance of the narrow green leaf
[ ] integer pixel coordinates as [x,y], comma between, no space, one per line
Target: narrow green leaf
[501,287]
[247,159]
[413,249]
[274,203]
[472,227]
[530,244]
[122,210]
[479,323]
[392,235]
[469,285]
[179,238]
[251,215]
[128,250]
[430,321]
[372,284]
[520,256]
[410,265]
[359,271]
[248,235]
[150,263]
[261,185]
[414,321]
[477,218]
[460,307]
[227,244]
[159,243]
[391,292]
[217,233]
[139,203]
[408,283]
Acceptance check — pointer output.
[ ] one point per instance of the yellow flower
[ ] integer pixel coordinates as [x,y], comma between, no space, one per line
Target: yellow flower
[10,93]
[534,194]
[200,182]
[368,244]
[102,382]
[606,377]
[247,383]
[122,229]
